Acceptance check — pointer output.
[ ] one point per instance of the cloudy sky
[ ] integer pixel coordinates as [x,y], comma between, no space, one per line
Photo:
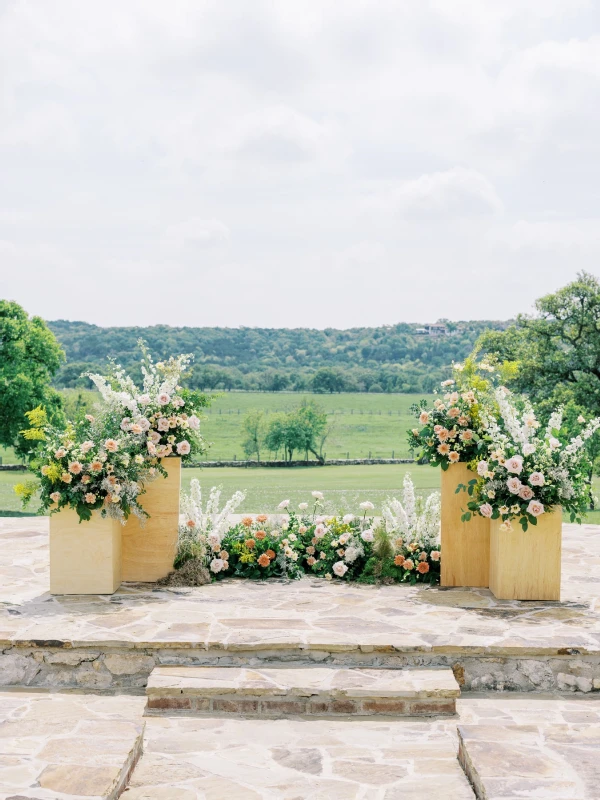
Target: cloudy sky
[296,163]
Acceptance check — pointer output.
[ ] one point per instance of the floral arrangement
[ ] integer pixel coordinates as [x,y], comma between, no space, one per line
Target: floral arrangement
[527,470]
[408,549]
[450,431]
[293,543]
[203,526]
[162,413]
[86,467]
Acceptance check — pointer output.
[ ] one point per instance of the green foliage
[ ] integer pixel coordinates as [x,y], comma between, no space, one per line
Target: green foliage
[304,429]
[555,355]
[254,433]
[393,358]
[29,357]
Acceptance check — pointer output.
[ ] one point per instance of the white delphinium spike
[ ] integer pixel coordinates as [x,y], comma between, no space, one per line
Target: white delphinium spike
[408,496]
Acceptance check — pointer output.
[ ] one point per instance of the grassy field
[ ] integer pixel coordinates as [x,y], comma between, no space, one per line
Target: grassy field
[343,487]
[361,424]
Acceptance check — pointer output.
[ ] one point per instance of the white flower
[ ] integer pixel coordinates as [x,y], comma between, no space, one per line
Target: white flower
[194,422]
[139,458]
[144,400]
[348,519]
[486,510]
[554,443]
[86,446]
[317,495]
[514,464]
[163,399]
[448,382]
[535,508]
[368,535]
[319,531]
[580,419]
[183,448]
[514,485]
[216,565]
[163,424]
[340,569]
[125,423]
[302,506]
[283,504]
[367,506]
[423,418]
[537,479]
[482,468]
[528,449]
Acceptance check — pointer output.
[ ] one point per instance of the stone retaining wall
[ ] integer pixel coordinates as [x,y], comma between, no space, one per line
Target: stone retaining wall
[51,665]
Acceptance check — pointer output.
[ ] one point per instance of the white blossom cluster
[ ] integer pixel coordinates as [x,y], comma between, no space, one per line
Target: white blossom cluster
[414,519]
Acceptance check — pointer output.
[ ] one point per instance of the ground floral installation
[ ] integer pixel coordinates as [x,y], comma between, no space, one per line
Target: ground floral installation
[529,470]
[86,466]
[403,547]
[162,414]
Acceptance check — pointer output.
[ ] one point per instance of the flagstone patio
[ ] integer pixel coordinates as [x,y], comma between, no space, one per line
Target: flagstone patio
[115,641]
[57,746]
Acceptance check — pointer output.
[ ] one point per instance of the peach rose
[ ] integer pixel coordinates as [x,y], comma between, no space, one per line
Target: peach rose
[453,456]
[423,567]
[409,564]
[264,560]
[435,555]
[399,561]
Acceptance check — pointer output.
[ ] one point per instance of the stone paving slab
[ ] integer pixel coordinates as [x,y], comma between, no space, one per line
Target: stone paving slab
[313,691]
[214,758]
[67,746]
[310,681]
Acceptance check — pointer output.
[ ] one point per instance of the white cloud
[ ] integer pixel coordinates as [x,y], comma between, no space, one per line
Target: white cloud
[456,192]
[331,153]
[196,231]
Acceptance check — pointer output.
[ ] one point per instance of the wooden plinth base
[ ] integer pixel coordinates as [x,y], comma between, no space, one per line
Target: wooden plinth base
[84,558]
[465,545]
[526,565]
[149,550]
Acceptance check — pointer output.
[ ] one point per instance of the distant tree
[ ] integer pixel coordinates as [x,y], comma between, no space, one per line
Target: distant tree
[375,387]
[328,380]
[303,429]
[29,357]
[315,428]
[254,431]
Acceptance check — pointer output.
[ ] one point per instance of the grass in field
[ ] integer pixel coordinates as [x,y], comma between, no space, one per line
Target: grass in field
[343,487]
[361,424]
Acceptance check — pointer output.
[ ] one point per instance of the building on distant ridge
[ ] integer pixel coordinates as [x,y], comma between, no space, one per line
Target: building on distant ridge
[432,329]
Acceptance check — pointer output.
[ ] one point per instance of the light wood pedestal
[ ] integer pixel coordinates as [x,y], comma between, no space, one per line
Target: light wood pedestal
[465,545]
[85,558]
[526,565]
[149,550]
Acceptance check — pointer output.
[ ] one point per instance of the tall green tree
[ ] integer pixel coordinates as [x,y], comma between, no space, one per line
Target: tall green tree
[30,356]
[303,429]
[254,433]
[557,352]
[558,348]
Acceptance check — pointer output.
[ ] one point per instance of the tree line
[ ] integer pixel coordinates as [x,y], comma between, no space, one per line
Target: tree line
[393,358]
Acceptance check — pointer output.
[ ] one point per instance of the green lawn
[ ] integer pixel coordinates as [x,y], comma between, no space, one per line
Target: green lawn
[343,487]
[361,424]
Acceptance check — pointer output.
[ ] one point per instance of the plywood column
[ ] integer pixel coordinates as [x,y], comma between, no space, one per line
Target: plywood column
[526,565]
[85,558]
[465,545]
[149,549]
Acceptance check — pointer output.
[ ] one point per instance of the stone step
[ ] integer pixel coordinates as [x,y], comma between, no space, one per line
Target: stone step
[309,691]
